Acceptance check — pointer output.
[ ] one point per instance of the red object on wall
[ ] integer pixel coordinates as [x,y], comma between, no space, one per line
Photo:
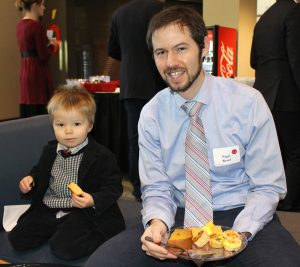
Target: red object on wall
[221,59]
[56,31]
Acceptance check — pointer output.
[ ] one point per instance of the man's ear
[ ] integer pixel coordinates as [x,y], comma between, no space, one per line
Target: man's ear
[205,49]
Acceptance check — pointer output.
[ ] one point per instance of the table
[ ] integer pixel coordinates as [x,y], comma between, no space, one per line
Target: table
[110,128]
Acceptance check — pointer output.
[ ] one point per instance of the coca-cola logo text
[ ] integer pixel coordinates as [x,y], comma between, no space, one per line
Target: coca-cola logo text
[226,61]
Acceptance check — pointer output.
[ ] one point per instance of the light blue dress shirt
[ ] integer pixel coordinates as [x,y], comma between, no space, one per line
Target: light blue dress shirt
[244,156]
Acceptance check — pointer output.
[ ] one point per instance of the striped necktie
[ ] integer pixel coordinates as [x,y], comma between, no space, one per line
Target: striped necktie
[198,196]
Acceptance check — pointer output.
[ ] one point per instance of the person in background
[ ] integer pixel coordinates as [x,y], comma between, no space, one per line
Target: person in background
[140,80]
[275,56]
[245,169]
[36,87]
[75,225]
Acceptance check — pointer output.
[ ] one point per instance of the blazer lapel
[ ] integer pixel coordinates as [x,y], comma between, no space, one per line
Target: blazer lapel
[88,159]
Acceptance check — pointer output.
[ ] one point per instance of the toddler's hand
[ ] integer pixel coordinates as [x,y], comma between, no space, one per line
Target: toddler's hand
[85,200]
[26,184]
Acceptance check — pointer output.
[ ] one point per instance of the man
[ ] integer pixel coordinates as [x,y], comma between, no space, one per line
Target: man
[140,80]
[275,56]
[245,165]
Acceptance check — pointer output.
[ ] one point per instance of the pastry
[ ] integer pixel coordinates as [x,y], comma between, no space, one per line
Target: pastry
[182,238]
[232,245]
[232,241]
[216,229]
[231,235]
[201,239]
[208,227]
[216,240]
[75,189]
[211,228]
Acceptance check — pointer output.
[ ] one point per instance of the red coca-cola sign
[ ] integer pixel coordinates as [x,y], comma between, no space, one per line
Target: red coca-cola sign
[227,54]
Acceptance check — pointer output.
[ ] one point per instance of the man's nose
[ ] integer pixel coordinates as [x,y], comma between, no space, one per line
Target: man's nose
[171,59]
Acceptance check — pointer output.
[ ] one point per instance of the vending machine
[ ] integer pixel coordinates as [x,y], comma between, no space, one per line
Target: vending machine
[222,56]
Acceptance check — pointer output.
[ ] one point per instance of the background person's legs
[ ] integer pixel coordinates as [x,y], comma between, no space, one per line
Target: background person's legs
[133,109]
[288,129]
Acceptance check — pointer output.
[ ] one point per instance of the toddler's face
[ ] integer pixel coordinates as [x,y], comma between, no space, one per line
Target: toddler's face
[71,127]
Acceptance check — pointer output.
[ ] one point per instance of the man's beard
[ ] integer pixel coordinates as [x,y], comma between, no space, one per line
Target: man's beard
[189,83]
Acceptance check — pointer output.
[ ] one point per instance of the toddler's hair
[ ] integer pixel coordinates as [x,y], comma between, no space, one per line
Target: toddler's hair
[73,98]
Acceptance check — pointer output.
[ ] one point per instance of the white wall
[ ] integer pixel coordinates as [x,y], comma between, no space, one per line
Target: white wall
[263,5]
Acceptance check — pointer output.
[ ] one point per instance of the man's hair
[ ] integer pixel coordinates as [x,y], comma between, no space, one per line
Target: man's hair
[73,98]
[181,16]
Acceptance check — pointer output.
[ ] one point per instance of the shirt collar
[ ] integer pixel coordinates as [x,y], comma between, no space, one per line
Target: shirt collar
[73,150]
[203,96]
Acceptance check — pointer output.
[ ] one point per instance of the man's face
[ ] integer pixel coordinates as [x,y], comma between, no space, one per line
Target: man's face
[177,58]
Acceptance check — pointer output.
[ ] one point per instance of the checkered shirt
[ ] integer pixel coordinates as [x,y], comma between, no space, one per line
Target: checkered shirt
[64,171]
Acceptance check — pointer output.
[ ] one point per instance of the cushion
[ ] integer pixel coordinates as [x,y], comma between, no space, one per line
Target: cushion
[21,143]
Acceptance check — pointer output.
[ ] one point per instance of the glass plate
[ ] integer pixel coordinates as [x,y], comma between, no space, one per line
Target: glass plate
[196,254]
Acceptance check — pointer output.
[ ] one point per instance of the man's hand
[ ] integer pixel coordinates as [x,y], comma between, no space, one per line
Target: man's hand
[26,184]
[157,231]
[85,200]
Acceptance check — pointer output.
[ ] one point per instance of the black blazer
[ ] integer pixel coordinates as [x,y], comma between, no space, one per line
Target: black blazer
[127,43]
[98,175]
[275,55]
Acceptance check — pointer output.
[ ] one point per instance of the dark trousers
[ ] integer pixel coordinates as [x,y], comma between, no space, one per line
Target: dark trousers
[288,129]
[70,237]
[133,109]
[272,246]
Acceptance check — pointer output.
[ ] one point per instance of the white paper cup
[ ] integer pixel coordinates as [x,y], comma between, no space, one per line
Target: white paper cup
[49,34]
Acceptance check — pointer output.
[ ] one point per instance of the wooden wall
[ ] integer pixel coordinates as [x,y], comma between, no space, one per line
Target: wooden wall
[10,60]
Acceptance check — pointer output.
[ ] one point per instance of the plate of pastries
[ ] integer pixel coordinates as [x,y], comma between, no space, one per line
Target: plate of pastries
[207,243]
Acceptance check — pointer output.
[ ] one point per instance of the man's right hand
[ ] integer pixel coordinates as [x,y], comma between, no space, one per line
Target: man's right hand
[157,231]
[26,184]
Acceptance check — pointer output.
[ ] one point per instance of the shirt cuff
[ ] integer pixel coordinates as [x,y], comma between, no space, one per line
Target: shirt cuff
[149,221]
[252,227]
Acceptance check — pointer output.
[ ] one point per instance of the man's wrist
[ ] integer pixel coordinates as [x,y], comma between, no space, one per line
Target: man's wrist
[159,220]
[248,235]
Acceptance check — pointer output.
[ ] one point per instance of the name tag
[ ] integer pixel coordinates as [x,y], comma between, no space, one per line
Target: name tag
[226,155]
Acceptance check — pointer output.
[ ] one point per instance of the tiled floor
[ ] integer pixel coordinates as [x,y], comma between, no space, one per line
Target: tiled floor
[290,220]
